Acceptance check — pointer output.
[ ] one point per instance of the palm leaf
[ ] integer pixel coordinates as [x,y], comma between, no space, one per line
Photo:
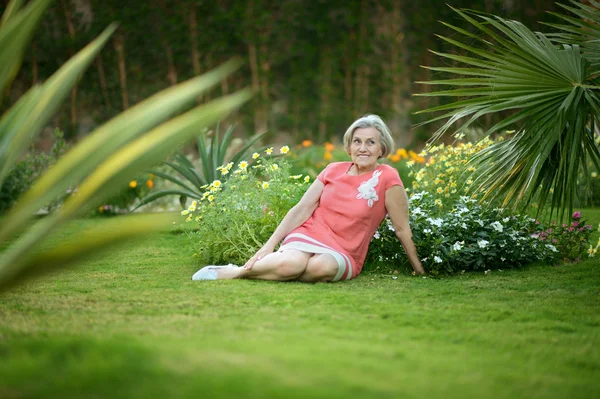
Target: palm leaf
[551,92]
[92,150]
[113,173]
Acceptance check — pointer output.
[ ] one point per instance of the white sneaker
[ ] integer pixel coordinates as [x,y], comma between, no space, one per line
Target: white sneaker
[210,272]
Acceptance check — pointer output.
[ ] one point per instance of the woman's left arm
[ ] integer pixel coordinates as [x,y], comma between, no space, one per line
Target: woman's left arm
[396,204]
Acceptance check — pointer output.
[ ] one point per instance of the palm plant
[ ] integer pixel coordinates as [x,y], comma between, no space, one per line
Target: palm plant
[100,164]
[551,92]
[193,181]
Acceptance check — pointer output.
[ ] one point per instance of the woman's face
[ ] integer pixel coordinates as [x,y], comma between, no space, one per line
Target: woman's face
[365,148]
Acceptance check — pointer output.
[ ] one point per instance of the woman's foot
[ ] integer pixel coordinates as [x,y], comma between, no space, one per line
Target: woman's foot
[212,272]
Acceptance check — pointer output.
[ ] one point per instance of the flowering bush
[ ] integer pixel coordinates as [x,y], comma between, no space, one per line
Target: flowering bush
[233,219]
[446,173]
[467,237]
[571,239]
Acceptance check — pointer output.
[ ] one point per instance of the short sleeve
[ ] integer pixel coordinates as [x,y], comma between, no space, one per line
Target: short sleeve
[392,178]
[323,174]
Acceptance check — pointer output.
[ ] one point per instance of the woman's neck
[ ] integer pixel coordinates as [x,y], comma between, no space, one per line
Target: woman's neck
[355,170]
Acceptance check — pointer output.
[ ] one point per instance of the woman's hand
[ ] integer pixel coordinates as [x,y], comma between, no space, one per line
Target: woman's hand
[261,253]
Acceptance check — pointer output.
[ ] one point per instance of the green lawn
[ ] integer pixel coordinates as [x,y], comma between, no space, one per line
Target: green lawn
[132,324]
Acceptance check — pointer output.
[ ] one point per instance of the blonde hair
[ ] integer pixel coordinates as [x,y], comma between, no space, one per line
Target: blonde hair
[385,136]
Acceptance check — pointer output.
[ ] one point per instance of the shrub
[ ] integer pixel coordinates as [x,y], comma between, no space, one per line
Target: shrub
[571,239]
[466,237]
[233,219]
[22,174]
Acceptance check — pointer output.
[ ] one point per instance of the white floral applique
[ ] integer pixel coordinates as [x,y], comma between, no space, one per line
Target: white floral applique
[366,190]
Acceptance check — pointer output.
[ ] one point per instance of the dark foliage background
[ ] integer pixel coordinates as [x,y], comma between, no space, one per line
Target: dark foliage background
[315,64]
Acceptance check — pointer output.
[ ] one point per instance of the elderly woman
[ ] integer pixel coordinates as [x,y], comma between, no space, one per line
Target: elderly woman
[326,235]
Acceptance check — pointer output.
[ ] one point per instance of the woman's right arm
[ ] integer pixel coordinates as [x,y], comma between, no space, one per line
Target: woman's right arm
[293,219]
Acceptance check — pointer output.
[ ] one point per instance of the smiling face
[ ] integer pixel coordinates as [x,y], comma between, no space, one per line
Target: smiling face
[365,148]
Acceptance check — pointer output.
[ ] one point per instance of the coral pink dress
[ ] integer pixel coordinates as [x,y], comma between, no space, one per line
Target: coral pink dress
[349,211]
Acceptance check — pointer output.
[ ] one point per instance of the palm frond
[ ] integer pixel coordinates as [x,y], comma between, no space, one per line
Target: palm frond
[550,91]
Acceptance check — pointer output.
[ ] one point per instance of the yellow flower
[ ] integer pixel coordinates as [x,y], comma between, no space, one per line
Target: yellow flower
[327,156]
[296,177]
[410,163]
[329,147]
[184,212]
[206,194]
[438,202]
[594,174]
[216,184]
[243,165]
[269,151]
[188,219]
[211,198]
[133,184]
[265,185]
[439,190]
[204,186]
[149,184]
[229,165]
[255,155]
[306,179]
[198,218]
[275,166]
[224,171]
[284,150]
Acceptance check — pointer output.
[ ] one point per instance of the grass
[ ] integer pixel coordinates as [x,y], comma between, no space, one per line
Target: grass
[131,324]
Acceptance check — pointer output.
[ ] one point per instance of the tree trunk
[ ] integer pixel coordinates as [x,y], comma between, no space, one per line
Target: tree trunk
[255,82]
[193,22]
[71,29]
[102,77]
[325,93]
[34,65]
[118,42]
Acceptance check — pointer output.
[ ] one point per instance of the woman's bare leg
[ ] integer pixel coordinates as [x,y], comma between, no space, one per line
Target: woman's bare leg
[277,266]
[320,267]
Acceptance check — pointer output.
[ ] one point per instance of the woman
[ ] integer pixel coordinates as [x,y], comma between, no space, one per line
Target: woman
[326,235]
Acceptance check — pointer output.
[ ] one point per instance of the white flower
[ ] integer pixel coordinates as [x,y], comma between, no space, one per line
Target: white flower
[505,219]
[427,231]
[487,271]
[376,235]
[502,258]
[480,222]
[436,222]
[482,243]
[497,226]
[437,259]
[417,211]
[551,247]
[458,245]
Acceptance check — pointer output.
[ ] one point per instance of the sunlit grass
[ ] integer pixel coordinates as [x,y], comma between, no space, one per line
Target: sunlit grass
[132,324]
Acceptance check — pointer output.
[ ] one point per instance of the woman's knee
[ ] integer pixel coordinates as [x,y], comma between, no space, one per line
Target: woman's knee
[321,267]
[291,264]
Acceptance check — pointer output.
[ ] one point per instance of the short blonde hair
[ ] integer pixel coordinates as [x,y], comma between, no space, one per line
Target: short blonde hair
[385,136]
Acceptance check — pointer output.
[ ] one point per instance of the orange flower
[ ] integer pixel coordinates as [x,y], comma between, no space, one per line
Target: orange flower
[133,184]
[329,147]
[150,184]
[327,156]
[401,152]
[306,143]
[395,158]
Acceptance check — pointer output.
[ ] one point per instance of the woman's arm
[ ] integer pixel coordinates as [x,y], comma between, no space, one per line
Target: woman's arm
[294,218]
[396,204]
